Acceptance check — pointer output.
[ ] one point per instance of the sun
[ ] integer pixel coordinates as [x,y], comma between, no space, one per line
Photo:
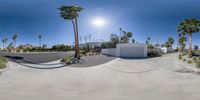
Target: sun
[99,22]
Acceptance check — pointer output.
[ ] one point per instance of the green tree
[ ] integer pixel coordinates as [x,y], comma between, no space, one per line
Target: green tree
[114,38]
[170,41]
[126,37]
[189,26]
[10,47]
[148,41]
[181,41]
[133,41]
[72,13]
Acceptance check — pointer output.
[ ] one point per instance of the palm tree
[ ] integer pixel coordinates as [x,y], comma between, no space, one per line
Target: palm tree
[189,26]
[170,41]
[3,40]
[148,41]
[120,34]
[14,41]
[181,42]
[40,37]
[72,13]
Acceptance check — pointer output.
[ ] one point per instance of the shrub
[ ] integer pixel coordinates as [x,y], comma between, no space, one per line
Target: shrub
[184,60]
[190,62]
[2,65]
[3,62]
[154,54]
[195,59]
[198,63]
[180,57]
[3,59]
[184,53]
[67,60]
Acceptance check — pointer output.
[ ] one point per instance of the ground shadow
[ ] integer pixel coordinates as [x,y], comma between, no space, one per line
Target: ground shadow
[90,61]
[29,66]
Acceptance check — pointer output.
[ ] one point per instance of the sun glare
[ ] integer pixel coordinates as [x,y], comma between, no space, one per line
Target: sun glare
[99,22]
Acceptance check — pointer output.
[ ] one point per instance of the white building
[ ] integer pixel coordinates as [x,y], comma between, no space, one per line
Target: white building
[127,50]
[91,44]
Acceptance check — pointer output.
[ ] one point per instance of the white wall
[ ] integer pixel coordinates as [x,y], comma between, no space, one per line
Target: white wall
[127,50]
[132,50]
[110,51]
[166,50]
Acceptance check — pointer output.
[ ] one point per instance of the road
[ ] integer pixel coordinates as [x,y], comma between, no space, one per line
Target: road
[36,57]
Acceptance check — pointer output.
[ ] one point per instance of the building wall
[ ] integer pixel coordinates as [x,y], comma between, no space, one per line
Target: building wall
[127,50]
[167,50]
[109,52]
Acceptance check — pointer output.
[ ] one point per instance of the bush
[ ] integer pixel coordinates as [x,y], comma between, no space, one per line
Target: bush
[154,54]
[3,59]
[67,60]
[180,57]
[184,60]
[3,62]
[190,62]
[2,65]
[198,63]
[184,53]
[195,59]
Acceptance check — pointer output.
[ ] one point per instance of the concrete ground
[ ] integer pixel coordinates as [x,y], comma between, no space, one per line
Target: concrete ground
[162,78]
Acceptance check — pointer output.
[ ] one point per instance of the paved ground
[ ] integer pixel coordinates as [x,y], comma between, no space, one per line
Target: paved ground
[163,78]
[36,57]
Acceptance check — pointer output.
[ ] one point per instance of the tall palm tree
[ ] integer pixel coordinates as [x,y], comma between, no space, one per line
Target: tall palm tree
[189,26]
[40,38]
[120,34]
[5,42]
[72,13]
[14,41]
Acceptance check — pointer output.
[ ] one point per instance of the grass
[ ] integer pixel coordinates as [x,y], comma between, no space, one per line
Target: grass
[3,62]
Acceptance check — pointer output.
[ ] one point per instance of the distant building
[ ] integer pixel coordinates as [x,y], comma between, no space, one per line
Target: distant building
[91,45]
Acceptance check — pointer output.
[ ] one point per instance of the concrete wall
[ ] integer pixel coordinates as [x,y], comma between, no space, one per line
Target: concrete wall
[167,50]
[132,50]
[127,50]
[109,52]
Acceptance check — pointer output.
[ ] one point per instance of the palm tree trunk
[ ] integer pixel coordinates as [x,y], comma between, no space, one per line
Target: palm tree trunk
[15,46]
[3,45]
[190,44]
[40,43]
[77,40]
[74,26]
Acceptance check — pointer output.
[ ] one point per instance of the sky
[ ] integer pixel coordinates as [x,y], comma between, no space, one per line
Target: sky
[157,19]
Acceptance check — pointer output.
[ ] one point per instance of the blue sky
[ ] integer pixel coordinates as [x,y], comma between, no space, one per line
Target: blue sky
[145,18]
